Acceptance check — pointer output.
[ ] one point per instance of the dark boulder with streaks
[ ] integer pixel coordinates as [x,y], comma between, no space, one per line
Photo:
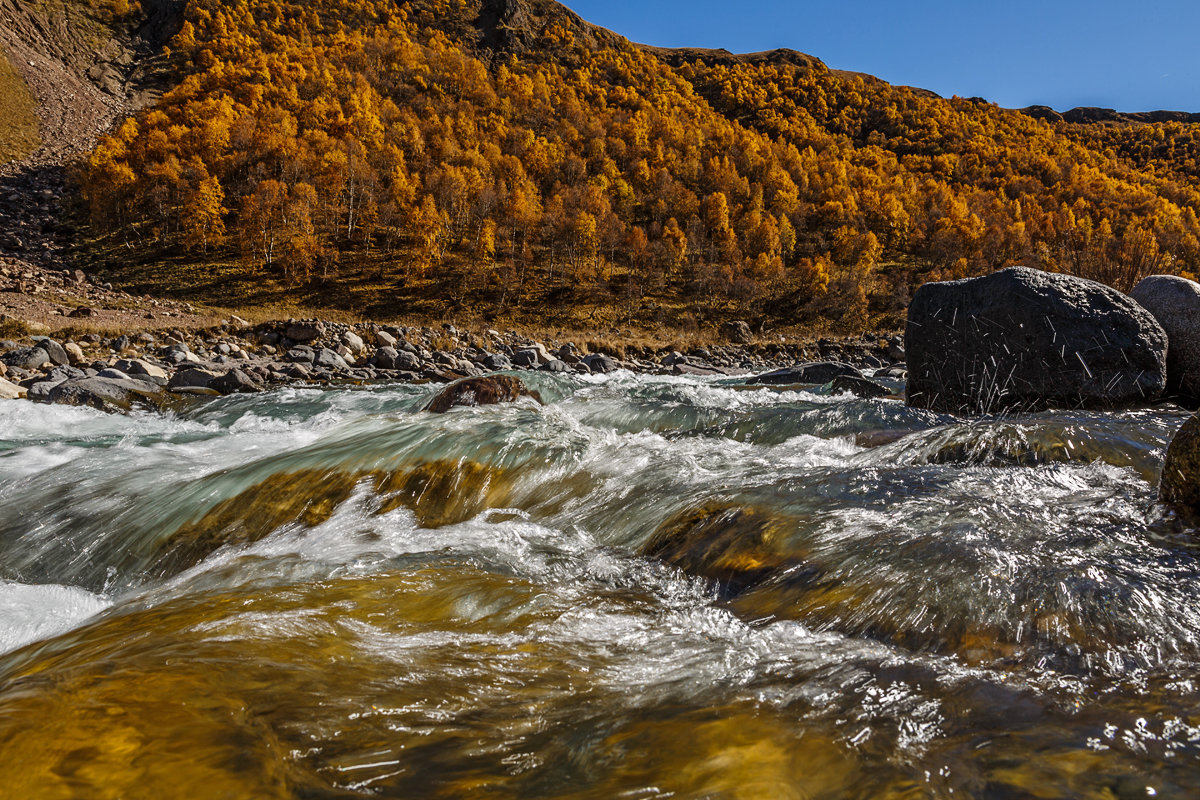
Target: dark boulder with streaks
[1024,340]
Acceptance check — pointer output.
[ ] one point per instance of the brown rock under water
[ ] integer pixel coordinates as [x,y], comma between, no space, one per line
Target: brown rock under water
[486,391]
[438,492]
[736,546]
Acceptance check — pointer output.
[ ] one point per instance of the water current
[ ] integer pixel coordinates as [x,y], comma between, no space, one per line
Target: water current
[647,587]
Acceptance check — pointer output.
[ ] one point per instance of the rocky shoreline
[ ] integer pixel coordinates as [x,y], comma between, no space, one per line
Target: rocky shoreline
[150,368]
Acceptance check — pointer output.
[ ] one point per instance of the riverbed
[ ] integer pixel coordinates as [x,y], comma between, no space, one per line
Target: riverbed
[647,586]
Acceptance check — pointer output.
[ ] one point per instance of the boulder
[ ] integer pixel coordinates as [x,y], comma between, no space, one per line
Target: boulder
[106,394]
[600,363]
[352,341]
[497,362]
[526,358]
[486,391]
[391,358]
[301,354]
[26,358]
[235,382]
[859,387]
[58,355]
[384,339]
[816,372]
[10,391]
[74,352]
[330,360]
[1175,303]
[192,379]
[1024,340]
[1179,486]
[555,365]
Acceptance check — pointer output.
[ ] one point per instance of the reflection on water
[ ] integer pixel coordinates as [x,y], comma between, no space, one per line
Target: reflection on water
[649,587]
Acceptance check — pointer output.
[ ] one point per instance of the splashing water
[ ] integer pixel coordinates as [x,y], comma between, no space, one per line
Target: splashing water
[648,587]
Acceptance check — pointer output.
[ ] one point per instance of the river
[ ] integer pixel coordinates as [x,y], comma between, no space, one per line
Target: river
[647,587]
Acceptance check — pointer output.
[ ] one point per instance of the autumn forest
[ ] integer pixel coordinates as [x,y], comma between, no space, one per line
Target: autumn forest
[510,158]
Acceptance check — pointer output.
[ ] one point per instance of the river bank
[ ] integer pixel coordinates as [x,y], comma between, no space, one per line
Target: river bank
[112,350]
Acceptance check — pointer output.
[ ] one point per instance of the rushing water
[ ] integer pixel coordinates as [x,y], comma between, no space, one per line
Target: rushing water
[648,587]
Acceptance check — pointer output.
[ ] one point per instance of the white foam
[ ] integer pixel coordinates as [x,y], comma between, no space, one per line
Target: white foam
[29,613]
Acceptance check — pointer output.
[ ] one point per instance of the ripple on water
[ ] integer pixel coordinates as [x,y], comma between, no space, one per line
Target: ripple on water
[925,606]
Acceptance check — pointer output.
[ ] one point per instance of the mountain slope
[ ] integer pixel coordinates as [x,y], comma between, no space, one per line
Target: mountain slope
[506,156]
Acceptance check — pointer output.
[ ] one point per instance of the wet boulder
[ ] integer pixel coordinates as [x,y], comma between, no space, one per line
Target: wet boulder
[859,387]
[104,393]
[1024,340]
[736,546]
[1179,486]
[1175,303]
[818,372]
[486,391]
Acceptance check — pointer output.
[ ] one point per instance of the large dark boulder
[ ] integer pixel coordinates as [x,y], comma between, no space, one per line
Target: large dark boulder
[1179,486]
[817,372]
[1024,340]
[1175,303]
[106,394]
[486,391]
[26,358]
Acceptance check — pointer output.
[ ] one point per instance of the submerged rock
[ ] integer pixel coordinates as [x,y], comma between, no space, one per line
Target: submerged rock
[1023,340]
[1175,303]
[734,545]
[486,391]
[819,372]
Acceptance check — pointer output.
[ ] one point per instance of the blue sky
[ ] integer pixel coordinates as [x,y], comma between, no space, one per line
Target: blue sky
[1134,55]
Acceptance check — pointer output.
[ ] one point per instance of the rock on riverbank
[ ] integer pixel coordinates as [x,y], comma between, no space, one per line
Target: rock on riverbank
[115,373]
[1024,340]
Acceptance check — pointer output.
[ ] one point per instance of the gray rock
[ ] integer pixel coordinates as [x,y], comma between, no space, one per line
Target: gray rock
[384,339]
[1023,340]
[391,358]
[497,361]
[26,358]
[301,354]
[114,373]
[353,341]
[817,372]
[859,387]
[235,382]
[525,358]
[1175,303]
[330,360]
[106,394]
[40,391]
[58,354]
[192,379]
[600,363]
[555,365]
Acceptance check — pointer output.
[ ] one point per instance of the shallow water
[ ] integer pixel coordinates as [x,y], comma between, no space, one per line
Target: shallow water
[648,587]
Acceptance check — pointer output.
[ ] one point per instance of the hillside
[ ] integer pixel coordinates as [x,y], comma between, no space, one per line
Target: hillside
[506,158]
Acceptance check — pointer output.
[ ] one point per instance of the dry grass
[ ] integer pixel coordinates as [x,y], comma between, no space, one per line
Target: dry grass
[18,121]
